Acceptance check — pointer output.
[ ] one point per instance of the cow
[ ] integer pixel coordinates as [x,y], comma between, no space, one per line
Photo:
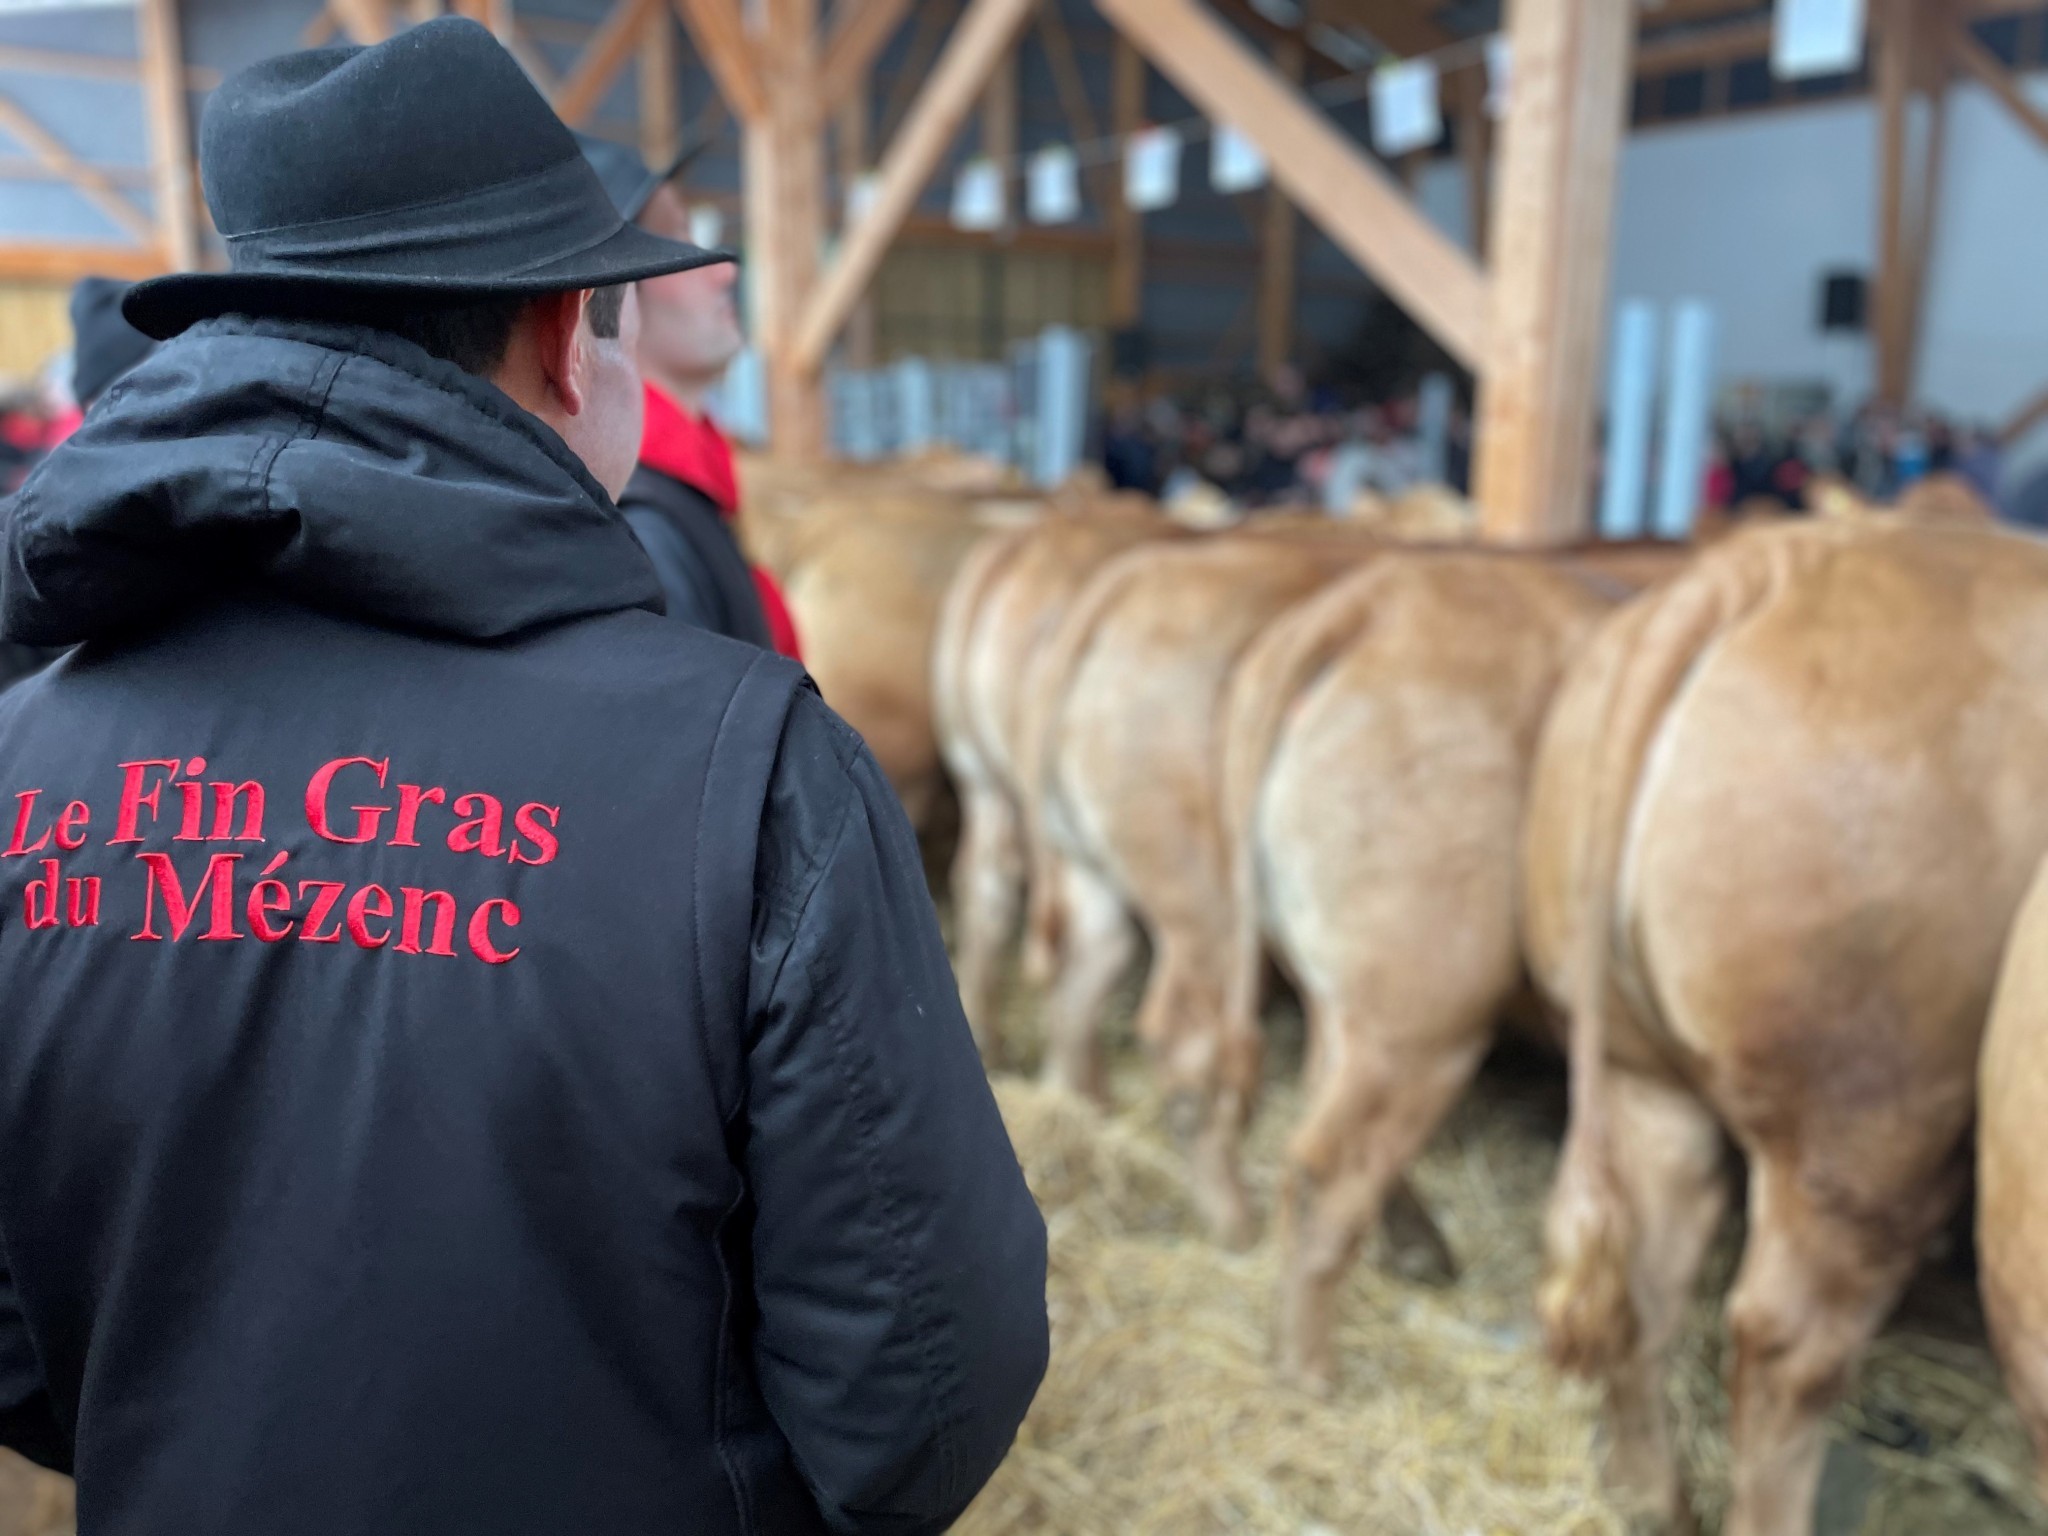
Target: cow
[993,632]
[1377,750]
[1783,812]
[2012,1184]
[1121,737]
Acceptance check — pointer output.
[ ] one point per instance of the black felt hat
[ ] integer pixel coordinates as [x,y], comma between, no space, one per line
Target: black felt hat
[627,178]
[426,165]
[103,344]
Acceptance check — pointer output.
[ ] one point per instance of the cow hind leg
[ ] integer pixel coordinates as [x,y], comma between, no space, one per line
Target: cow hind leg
[1372,1111]
[1210,1071]
[1816,1284]
[988,888]
[1671,1163]
[1100,941]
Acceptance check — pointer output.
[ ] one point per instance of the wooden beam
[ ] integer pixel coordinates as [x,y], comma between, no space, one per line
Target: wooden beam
[1696,48]
[986,30]
[1475,152]
[1330,177]
[93,66]
[364,21]
[721,39]
[999,128]
[860,30]
[933,18]
[1983,65]
[33,262]
[88,179]
[170,130]
[591,79]
[1553,214]
[1126,224]
[2024,420]
[1279,244]
[1082,125]
[660,112]
[23,168]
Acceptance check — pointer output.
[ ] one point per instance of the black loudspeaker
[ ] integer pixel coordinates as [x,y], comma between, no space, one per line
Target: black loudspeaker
[1130,353]
[1844,301]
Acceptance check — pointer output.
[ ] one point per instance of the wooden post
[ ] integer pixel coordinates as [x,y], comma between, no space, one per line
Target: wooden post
[660,112]
[785,208]
[602,59]
[721,40]
[1126,224]
[1082,126]
[1927,198]
[1278,243]
[170,131]
[1894,82]
[365,21]
[985,32]
[860,30]
[1552,214]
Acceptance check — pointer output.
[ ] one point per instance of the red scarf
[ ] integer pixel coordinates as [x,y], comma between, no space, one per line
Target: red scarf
[691,449]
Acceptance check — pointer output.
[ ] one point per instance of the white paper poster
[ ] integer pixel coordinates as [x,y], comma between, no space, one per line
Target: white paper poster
[978,196]
[707,225]
[1152,168]
[1500,74]
[1052,188]
[1235,164]
[1816,37]
[860,196]
[1404,107]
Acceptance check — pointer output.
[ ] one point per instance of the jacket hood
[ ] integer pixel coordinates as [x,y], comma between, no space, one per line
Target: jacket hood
[338,466]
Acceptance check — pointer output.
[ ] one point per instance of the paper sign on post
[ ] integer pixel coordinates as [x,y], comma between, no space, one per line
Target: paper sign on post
[1816,37]
[1235,164]
[707,225]
[860,196]
[978,196]
[1405,115]
[1053,186]
[1152,168]
[1500,74]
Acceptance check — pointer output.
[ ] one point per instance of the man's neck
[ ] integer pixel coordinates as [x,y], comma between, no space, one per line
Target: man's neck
[689,393]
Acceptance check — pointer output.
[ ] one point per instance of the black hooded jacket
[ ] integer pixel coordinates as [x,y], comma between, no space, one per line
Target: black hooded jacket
[478,1057]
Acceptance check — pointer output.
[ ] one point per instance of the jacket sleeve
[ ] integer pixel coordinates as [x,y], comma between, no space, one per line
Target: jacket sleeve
[28,1422]
[899,1261]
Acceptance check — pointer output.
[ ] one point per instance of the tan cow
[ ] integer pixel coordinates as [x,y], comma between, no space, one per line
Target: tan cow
[2012,1179]
[993,634]
[1783,813]
[1123,736]
[1377,754]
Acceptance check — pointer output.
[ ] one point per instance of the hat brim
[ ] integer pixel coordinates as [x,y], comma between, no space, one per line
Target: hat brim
[161,307]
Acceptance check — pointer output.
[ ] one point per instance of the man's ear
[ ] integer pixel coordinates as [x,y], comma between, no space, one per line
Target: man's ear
[558,332]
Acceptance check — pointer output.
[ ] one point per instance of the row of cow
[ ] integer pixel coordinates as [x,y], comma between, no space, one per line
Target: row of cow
[1755,820]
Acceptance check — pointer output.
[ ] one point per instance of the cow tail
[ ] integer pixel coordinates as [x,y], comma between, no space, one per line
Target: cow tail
[1585,1301]
[1274,673]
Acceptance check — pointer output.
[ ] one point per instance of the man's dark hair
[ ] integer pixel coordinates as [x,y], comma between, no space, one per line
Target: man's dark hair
[472,335]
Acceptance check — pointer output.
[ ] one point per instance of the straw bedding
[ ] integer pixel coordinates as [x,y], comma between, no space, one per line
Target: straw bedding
[1159,1414]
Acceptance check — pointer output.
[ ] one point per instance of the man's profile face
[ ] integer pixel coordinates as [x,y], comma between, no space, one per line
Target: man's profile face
[608,429]
[689,321]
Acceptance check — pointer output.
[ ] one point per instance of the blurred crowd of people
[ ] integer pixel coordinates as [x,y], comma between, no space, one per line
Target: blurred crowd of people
[1879,451]
[1277,442]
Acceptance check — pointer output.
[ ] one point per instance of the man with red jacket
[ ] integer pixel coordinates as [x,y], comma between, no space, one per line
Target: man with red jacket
[682,500]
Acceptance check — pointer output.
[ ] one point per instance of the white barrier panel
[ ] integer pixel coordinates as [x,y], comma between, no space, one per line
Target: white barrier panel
[1688,412]
[916,418]
[1062,402]
[1631,406]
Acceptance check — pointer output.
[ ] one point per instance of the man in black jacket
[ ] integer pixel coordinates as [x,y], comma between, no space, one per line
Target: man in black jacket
[478,1057]
[682,500]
